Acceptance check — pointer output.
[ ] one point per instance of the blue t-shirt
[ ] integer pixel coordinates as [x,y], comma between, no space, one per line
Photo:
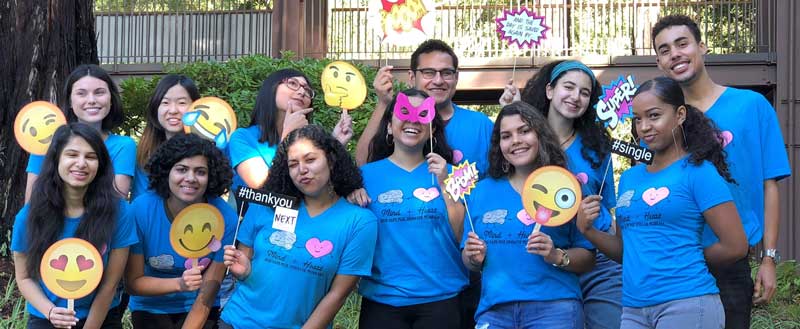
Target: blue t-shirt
[417,259]
[661,218]
[468,134]
[121,149]
[124,236]
[244,146]
[510,273]
[591,179]
[160,260]
[140,183]
[756,152]
[292,272]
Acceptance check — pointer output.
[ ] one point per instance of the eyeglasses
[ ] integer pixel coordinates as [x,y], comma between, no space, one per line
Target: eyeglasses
[295,86]
[447,74]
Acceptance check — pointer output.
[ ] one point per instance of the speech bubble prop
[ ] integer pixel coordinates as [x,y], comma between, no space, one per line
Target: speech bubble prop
[402,22]
[521,27]
[210,118]
[616,102]
[71,269]
[343,85]
[461,180]
[35,125]
[551,196]
[197,231]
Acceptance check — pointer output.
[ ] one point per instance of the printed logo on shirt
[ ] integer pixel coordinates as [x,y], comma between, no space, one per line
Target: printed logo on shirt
[283,239]
[624,199]
[426,194]
[393,196]
[582,177]
[654,195]
[725,137]
[162,262]
[497,216]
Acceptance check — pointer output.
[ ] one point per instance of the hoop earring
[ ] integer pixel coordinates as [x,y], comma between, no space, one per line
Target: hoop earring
[505,166]
[389,139]
[675,142]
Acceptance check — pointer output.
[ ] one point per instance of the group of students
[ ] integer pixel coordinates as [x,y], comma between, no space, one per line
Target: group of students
[388,228]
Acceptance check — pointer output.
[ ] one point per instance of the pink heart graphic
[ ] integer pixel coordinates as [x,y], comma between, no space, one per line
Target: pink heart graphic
[726,137]
[652,195]
[317,248]
[83,263]
[60,263]
[523,217]
[426,194]
[457,156]
[582,177]
[202,262]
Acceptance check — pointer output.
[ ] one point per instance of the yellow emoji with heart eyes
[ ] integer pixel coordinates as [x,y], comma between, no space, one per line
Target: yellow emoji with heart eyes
[210,118]
[71,268]
[35,125]
[343,85]
[196,231]
[551,195]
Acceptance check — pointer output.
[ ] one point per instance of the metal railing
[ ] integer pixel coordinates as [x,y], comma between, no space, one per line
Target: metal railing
[174,31]
[577,27]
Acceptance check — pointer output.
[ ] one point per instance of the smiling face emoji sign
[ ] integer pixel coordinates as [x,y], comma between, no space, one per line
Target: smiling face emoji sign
[197,230]
[71,268]
[344,86]
[35,125]
[210,118]
[551,195]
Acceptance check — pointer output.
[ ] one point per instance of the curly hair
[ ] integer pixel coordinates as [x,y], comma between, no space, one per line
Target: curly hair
[550,152]
[265,112]
[429,46]
[344,174]
[45,220]
[181,147]
[675,20]
[115,115]
[594,138]
[703,141]
[382,144]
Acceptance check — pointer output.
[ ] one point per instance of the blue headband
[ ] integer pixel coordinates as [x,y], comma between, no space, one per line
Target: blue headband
[570,65]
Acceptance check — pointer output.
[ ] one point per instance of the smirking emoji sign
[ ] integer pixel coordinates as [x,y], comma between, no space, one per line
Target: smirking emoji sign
[35,125]
[551,196]
[343,85]
[71,269]
[197,231]
[210,118]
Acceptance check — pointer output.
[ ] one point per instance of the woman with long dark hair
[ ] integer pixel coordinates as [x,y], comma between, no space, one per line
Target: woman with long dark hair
[73,197]
[662,210]
[299,274]
[172,97]
[91,97]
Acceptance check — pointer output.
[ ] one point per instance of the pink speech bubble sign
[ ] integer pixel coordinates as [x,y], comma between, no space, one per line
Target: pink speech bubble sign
[522,27]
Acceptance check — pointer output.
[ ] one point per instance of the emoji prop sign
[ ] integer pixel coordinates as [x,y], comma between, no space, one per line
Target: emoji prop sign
[521,27]
[343,85]
[71,269]
[460,182]
[424,113]
[551,196]
[402,22]
[210,118]
[35,125]
[196,231]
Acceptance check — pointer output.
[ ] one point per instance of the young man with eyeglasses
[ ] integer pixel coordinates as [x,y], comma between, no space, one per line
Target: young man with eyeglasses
[751,137]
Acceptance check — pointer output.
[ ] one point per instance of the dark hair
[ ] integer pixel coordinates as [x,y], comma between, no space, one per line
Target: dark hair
[429,46]
[154,134]
[185,146]
[382,145]
[344,174]
[549,153]
[115,115]
[45,220]
[702,135]
[265,112]
[675,20]
[594,138]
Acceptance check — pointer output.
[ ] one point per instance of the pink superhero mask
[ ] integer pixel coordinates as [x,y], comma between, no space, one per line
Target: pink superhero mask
[424,113]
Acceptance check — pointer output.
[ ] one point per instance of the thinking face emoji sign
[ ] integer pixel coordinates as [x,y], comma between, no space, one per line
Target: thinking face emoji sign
[210,118]
[35,125]
[197,230]
[343,85]
[551,195]
[71,268]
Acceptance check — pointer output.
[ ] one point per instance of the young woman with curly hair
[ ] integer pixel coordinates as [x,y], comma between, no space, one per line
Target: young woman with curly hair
[529,279]
[73,197]
[661,213]
[300,277]
[565,92]
[173,96]
[91,97]
[166,290]
[417,273]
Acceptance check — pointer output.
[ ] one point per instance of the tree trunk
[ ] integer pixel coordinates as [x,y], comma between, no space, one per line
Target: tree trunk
[41,41]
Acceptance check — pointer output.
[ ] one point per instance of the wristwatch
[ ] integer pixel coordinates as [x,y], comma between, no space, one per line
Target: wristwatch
[564,259]
[771,253]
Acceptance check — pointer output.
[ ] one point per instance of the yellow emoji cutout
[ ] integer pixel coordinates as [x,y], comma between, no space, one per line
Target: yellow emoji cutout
[35,125]
[197,230]
[71,268]
[343,85]
[211,118]
[551,196]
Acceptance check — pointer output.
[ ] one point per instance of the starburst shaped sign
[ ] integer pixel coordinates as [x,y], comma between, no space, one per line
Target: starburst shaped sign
[521,27]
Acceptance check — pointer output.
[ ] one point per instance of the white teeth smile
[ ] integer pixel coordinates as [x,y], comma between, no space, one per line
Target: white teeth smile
[411,131]
[92,110]
[518,151]
[680,66]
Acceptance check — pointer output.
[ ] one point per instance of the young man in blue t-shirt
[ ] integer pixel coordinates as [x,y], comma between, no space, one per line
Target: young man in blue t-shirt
[756,157]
